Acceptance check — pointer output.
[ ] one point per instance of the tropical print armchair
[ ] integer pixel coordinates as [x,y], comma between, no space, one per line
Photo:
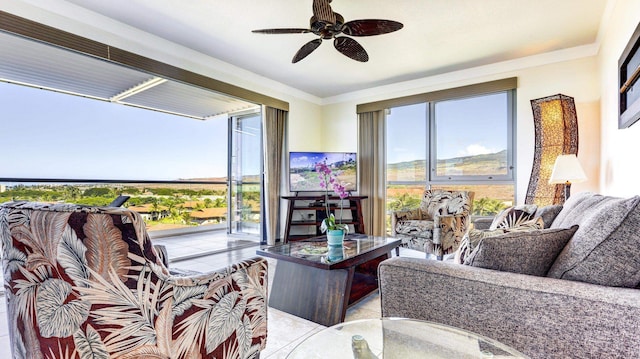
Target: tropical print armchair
[86,282]
[438,225]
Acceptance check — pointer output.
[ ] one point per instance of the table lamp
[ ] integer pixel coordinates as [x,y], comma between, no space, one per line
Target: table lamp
[567,170]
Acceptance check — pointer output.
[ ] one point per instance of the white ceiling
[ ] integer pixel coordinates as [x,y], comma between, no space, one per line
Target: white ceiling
[439,36]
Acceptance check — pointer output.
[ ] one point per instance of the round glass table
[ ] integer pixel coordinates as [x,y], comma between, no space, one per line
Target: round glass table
[391,338]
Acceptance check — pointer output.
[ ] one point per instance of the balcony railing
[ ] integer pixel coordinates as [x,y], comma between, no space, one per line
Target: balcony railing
[166,206]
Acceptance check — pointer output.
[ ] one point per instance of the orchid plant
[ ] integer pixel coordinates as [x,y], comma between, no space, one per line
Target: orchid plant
[327,179]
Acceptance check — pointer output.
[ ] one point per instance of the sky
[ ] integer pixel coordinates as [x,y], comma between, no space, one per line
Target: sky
[53,135]
[465,127]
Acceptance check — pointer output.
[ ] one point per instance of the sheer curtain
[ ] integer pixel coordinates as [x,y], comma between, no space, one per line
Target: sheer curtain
[274,125]
[371,159]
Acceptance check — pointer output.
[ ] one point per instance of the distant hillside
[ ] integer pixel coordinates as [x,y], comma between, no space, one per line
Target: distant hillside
[486,164]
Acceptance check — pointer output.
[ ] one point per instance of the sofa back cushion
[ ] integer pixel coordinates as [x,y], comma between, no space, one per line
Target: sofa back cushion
[604,250]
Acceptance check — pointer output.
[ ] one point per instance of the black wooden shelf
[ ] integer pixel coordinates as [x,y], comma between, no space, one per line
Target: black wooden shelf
[351,204]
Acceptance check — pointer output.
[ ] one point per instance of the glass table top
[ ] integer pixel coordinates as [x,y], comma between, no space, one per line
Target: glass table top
[316,249]
[397,338]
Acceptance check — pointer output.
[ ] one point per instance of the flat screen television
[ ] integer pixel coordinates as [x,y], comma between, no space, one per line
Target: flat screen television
[302,170]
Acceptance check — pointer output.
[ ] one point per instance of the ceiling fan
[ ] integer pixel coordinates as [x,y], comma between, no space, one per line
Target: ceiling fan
[329,25]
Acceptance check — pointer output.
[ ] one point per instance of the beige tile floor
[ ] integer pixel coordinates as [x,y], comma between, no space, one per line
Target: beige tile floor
[285,331]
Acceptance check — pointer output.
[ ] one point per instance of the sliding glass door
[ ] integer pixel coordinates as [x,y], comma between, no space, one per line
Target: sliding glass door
[245,173]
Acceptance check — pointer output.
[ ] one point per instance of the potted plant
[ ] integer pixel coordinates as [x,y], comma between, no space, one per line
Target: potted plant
[336,230]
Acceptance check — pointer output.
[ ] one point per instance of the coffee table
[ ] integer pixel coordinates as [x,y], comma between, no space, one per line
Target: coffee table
[319,283]
[396,338]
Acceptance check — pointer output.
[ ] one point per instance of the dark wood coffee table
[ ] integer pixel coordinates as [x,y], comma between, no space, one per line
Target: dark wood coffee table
[315,284]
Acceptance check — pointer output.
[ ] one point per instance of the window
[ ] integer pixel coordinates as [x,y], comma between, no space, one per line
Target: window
[471,139]
[462,143]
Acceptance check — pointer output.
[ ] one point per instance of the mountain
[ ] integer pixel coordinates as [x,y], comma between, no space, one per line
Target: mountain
[485,164]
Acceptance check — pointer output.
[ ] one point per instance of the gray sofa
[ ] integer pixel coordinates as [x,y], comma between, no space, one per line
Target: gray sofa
[586,306]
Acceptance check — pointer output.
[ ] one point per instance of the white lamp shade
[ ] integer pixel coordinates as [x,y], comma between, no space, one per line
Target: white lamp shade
[567,169]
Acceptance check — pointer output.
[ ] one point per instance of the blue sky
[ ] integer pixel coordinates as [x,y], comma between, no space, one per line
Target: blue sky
[53,135]
[465,127]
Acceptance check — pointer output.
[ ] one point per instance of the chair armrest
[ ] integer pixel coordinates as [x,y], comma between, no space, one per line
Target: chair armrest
[405,215]
[448,231]
[234,298]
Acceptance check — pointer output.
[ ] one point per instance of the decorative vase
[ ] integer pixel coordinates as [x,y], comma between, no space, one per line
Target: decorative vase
[335,237]
[335,253]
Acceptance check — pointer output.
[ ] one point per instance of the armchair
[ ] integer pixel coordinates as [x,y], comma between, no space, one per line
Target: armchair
[87,282]
[438,225]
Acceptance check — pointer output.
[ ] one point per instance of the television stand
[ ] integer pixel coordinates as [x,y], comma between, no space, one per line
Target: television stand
[305,214]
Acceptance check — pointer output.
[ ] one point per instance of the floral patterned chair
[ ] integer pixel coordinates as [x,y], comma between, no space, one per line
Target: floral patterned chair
[85,282]
[438,225]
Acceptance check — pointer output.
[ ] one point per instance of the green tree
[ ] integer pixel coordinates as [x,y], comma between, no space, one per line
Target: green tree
[98,192]
[71,193]
[487,206]
[405,201]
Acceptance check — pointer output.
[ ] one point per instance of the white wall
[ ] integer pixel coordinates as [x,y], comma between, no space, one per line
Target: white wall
[620,148]
[576,78]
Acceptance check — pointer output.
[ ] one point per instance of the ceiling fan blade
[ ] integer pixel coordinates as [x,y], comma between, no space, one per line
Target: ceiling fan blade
[281,31]
[306,50]
[322,11]
[350,48]
[370,27]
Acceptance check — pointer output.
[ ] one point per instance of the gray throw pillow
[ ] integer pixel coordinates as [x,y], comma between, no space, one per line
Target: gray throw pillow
[549,213]
[528,252]
[471,239]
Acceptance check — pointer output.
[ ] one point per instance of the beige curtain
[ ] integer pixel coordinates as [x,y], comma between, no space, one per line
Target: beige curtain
[371,159]
[274,123]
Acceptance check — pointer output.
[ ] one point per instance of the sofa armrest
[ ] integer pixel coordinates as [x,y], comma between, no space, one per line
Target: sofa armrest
[405,215]
[542,317]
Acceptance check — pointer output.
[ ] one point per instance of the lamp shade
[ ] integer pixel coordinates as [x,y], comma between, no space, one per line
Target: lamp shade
[567,169]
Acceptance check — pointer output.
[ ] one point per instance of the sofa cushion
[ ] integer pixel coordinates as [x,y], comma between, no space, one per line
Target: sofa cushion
[471,239]
[524,252]
[512,217]
[605,250]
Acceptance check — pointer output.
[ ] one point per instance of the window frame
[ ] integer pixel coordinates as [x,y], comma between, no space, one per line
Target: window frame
[432,152]
[508,86]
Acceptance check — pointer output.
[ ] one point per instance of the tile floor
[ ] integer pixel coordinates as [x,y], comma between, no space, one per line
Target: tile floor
[285,331]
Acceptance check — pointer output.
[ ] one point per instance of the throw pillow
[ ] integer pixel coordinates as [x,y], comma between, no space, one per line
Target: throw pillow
[471,239]
[529,252]
[512,216]
[549,213]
